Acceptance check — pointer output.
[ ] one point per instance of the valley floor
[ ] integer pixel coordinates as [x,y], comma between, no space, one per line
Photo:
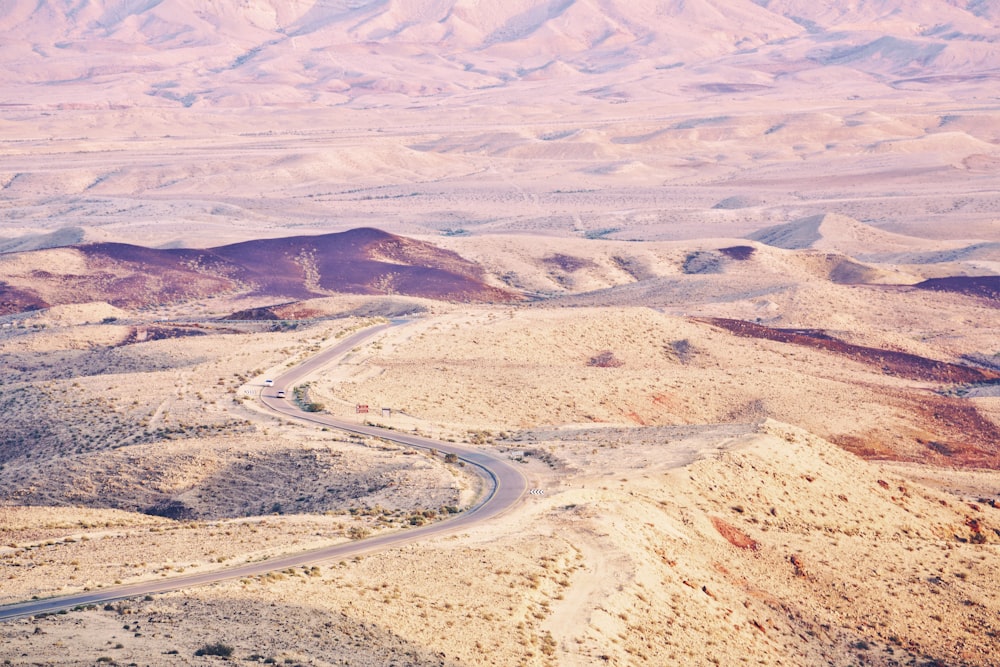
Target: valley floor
[682,531]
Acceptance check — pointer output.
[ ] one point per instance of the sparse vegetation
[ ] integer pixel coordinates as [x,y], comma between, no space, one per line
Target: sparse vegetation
[605,359]
[216,649]
[358,532]
[671,400]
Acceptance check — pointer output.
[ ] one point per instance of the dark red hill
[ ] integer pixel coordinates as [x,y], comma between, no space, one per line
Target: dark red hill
[890,362]
[359,261]
[985,287]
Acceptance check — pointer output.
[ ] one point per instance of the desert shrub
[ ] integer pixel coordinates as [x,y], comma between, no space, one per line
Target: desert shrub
[313,407]
[683,349]
[594,234]
[605,359]
[218,648]
[702,262]
[170,509]
[357,532]
[482,437]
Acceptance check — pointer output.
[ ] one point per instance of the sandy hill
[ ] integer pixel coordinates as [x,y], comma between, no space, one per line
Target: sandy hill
[840,233]
[679,272]
[134,120]
[363,261]
[80,313]
[641,367]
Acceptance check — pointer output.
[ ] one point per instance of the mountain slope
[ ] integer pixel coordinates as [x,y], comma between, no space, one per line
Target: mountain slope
[178,53]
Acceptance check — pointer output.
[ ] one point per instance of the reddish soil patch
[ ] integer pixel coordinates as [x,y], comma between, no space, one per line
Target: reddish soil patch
[870,448]
[635,418]
[14,300]
[738,252]
[891,362]
[734,535]
[948,431]
[942,430]
[985,287]
[296,311]
[662,399]
[962,436]
[798,565]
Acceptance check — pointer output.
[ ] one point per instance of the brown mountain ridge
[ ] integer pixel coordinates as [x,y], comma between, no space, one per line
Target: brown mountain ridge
[358,261]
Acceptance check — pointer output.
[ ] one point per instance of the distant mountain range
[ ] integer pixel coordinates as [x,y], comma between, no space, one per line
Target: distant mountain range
[233,53]
[360,261]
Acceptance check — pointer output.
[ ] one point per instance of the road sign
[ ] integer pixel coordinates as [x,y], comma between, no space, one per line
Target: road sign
[361,409]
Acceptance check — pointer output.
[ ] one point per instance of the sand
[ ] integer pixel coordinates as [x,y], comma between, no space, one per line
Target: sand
[633,169]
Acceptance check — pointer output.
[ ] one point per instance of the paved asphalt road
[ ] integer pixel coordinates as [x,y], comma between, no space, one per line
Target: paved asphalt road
[504,485]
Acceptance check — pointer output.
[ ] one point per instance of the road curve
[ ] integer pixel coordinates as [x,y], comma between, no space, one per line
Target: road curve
[504,485]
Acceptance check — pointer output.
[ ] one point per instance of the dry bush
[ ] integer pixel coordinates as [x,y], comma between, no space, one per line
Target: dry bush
[606,359]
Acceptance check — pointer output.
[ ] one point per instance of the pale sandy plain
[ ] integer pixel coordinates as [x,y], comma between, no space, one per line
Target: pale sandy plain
[695,509]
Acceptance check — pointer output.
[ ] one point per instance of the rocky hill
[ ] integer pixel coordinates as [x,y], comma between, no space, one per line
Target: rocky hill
[360,261]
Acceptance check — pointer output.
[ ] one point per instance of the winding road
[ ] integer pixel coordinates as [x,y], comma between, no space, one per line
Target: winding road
[503,487]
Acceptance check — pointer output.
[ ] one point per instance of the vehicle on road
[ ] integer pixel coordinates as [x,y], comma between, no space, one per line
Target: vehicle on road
[268,383]
[281,393]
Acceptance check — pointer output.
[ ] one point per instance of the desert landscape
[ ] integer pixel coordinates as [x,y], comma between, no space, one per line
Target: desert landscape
[720,279]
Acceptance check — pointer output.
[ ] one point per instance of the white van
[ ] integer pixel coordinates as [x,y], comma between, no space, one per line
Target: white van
[268,383]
